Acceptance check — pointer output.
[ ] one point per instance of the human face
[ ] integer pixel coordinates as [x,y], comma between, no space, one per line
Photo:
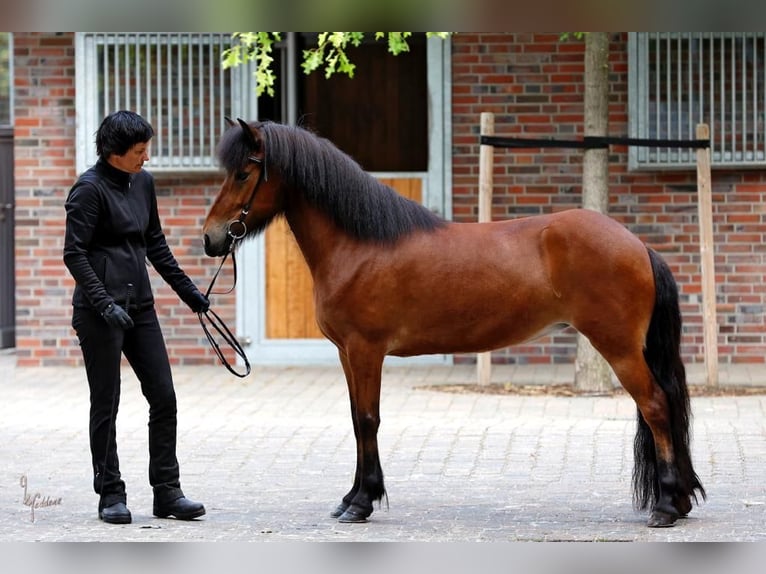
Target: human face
[132,160]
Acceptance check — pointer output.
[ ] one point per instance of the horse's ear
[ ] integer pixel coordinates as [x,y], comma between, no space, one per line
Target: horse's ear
[228,120]
[248,134]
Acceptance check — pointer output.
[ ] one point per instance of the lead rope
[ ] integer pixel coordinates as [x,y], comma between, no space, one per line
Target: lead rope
[236,234]
[218,324]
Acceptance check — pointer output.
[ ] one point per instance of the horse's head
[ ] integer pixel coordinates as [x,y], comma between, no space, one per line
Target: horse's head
[248,199]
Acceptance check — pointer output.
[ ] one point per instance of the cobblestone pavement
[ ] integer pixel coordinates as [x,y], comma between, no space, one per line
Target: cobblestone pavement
[271,455]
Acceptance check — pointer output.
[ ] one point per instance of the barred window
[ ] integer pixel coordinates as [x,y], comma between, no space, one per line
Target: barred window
[174,80]
[680,79]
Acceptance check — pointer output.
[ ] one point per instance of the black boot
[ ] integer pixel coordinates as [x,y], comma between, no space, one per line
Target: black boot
[181,508]
[116,513]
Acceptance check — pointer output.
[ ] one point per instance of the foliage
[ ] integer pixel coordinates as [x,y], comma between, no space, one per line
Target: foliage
[254,47]
[577,35]
[330,53]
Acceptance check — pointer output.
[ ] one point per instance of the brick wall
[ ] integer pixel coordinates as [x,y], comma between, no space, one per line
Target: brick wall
[44,149]
[533,83]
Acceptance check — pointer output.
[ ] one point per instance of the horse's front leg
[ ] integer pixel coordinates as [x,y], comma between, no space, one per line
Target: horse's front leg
[346,501]
[363,374]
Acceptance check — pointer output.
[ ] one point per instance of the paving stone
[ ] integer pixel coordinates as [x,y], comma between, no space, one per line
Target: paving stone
[271,456]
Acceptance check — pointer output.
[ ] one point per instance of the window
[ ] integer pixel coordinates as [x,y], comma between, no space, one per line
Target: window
[680,79]
[6,81]
[175,80]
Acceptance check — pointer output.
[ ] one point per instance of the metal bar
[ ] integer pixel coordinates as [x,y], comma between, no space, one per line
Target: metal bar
[711,107]
[179,111]
[201,97]
[149,104]
[210,94]
[690,50]
[755,98]
[657,96]
[668,95]
[722,96]
[679,90]
[743,82]
[641,75]
[106,81]
[733,99]
[137,82]
[160,135]
[189,96]
[701,79]
[116,75]
[689,88]
[169,99]
[221,91]
[126,58]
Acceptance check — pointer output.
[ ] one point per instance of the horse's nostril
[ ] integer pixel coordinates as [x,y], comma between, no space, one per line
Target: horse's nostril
[207,245]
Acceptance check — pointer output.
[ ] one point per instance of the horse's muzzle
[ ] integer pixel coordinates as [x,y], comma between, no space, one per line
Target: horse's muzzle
[214,249]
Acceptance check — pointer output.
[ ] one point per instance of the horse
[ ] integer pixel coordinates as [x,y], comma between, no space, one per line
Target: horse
[393,278]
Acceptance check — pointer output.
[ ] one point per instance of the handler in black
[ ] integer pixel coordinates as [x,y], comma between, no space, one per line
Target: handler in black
[112,229]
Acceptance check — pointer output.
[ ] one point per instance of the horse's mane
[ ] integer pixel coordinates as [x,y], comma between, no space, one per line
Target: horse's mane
[331,181]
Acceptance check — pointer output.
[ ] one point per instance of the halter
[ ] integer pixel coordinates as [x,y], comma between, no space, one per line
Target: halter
[262,176]
[236,235]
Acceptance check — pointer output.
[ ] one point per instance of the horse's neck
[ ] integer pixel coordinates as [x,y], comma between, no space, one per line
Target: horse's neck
[318,237]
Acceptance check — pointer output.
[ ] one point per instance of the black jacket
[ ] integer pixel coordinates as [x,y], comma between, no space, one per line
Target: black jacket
[112,229]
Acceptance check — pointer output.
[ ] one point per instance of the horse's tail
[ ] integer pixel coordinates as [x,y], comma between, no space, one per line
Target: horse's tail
[663,356]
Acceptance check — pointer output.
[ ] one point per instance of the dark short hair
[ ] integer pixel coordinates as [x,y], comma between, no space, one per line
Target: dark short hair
[120,131]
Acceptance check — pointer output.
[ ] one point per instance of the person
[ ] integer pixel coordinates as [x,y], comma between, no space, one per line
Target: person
[112,229]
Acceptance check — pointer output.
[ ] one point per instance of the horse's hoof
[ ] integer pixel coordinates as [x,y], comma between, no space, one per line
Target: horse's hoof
[683,506]
[339,510]
[354,516]
[660,519]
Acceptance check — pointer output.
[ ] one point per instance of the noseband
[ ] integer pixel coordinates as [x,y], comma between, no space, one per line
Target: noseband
[236,230]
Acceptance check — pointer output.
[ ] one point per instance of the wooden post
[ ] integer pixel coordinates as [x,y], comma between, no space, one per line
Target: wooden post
[707,257]
[486,166]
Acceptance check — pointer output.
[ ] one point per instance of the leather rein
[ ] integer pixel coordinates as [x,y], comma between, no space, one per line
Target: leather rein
[236,230]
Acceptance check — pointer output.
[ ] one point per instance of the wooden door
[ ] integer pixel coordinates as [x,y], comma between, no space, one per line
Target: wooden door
[380,118]
[289,288]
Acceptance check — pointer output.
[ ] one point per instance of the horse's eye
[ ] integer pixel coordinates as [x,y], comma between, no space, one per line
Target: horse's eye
[242,176]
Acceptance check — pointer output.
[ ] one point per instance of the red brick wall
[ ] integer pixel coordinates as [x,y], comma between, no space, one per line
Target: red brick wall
[44,148]
[533,83]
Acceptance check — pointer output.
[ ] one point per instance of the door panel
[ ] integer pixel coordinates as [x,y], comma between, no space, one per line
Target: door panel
[289,288]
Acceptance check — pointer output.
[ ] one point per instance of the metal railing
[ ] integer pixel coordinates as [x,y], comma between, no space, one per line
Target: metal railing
[175,80]
[681,79]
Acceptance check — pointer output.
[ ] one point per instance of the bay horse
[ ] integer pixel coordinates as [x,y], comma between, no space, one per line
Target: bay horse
[392,278]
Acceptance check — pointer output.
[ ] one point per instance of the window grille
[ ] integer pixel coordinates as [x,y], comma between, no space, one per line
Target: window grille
[680,79]
[174,80]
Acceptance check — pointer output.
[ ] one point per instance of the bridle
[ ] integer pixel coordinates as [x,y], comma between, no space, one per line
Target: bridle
[236,230]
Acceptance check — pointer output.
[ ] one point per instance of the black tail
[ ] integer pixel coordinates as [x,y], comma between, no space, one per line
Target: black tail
[663,355]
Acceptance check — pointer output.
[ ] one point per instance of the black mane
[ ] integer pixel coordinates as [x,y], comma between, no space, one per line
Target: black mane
[331,181]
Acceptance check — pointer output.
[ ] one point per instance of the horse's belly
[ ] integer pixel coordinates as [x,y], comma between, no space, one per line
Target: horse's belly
[424,338]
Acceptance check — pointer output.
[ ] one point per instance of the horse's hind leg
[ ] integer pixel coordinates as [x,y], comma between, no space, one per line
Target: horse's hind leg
[363,375]
[656,477]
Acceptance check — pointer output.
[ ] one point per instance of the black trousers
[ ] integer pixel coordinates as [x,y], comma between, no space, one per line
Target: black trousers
[144,347]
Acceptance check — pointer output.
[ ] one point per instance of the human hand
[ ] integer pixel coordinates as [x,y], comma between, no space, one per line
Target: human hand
[116,316]
[197,302]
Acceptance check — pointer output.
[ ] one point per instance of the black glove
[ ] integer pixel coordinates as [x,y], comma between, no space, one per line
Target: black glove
[197,302]
[117,317]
